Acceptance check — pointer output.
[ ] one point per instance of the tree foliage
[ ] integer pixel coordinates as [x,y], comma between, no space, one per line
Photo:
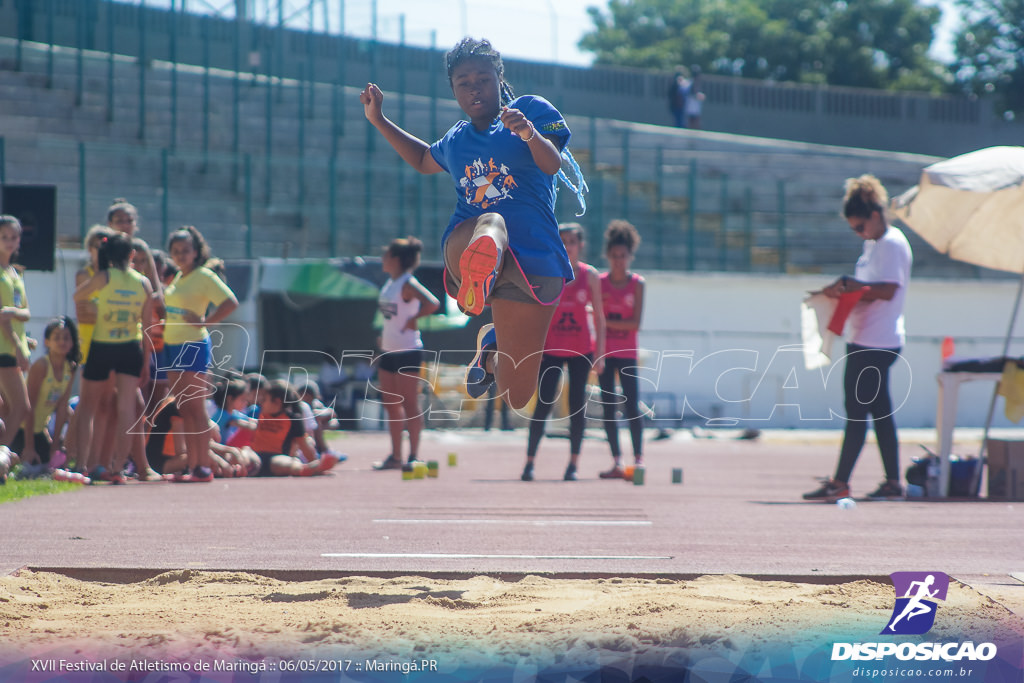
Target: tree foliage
[990,50]
[865,43]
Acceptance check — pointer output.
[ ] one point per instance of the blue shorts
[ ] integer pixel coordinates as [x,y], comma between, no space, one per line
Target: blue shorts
[193,356]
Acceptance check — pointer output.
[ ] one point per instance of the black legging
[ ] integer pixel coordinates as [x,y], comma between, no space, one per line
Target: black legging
[629,401]
[550,374]
[866,382]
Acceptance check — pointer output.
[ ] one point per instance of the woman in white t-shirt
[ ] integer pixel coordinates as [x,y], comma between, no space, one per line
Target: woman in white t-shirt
[875,337]
[403,301]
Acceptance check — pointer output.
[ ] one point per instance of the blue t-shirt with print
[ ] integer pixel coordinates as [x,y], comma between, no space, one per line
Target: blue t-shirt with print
[494,171]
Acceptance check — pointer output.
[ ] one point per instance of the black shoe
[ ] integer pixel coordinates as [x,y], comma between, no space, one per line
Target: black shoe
[527,472]
[887,491]
[389,463]
[412,459]
[570,473]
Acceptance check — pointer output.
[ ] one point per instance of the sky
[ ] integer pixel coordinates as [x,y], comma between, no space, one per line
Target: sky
[537,30]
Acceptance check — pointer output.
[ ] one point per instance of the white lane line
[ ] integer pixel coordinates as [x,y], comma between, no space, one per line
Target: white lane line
[459,556]
[523,522]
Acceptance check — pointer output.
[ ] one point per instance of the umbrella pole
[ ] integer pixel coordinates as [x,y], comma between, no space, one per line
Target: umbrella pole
[995,392]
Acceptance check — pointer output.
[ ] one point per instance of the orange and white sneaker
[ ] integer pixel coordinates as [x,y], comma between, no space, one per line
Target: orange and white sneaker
[478,268]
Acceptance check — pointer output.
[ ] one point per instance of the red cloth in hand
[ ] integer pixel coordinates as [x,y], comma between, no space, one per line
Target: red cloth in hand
[846,303]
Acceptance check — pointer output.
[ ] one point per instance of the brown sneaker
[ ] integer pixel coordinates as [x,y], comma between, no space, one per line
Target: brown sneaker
[887,491]
[830,491]
[614,473]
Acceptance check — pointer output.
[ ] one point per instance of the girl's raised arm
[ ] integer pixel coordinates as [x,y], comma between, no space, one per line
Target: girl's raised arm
[413,151]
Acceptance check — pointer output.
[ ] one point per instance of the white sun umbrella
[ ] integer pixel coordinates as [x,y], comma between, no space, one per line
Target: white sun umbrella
[971,207]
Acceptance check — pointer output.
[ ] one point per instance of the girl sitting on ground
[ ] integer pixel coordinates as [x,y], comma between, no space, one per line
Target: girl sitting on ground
[279,426]
[230,402]
[167,450]
[49,388]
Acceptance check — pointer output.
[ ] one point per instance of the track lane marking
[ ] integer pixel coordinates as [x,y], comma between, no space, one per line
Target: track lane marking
[523,522]
[474,556]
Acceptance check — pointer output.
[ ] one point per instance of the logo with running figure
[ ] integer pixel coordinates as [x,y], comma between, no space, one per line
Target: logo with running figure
[914,612]
[486,183]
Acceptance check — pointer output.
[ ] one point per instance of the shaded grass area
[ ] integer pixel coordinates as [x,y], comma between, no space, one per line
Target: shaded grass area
[16,490]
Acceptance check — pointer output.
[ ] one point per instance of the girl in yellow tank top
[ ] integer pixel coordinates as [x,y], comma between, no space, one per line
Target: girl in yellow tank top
[123,309]
[49,387]
[14,314]
[85,311]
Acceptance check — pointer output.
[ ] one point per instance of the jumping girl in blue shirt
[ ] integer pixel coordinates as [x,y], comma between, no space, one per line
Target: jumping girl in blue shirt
[501,245]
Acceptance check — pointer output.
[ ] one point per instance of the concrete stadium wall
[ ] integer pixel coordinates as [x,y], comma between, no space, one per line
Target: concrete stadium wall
[729,345]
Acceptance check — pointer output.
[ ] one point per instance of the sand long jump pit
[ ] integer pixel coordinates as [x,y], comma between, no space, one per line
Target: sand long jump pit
[234,626]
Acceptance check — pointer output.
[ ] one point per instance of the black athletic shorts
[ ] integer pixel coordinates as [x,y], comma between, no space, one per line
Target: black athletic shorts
[393,361]
[124,358]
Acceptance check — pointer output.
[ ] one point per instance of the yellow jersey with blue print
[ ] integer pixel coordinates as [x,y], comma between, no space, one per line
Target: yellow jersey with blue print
[12,293]
[119,308]
[194,293]
[50,391]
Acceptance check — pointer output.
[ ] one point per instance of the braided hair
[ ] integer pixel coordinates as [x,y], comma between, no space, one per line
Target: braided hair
[471,48]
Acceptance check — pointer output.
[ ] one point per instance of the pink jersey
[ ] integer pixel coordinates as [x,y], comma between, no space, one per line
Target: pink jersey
[571,331]
[619,304]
